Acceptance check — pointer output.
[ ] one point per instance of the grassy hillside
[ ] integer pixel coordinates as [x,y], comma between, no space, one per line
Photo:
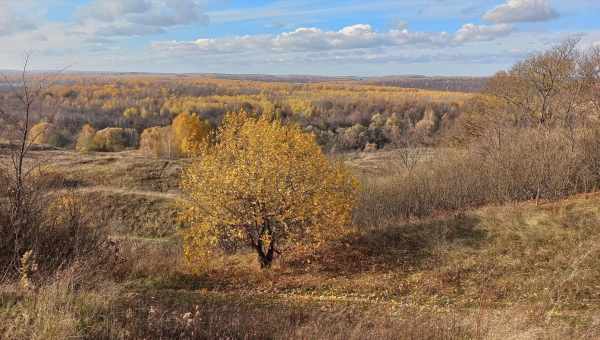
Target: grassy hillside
[521,271]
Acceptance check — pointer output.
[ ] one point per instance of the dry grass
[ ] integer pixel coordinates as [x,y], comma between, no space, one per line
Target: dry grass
[521,271]
[134,213]
[129,170]
[512,271]
[62,307]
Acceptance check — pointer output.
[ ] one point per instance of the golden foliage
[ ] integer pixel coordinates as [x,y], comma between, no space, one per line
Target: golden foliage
[266,185]
[85,140]
[109,139]
[188,132]
[40,133]
[115,139]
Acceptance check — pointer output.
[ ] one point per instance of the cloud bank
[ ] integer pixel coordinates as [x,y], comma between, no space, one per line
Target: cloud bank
[522,11]
[359,36]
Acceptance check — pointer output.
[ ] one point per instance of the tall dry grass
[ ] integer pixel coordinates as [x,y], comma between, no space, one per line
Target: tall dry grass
[70,303]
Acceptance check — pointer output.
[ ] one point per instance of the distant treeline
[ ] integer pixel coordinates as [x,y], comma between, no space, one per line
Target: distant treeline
[344,115]
[460,84]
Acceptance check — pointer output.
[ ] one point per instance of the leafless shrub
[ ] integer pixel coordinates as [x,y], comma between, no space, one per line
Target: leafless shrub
[48,229]
[409,157]
[532,164]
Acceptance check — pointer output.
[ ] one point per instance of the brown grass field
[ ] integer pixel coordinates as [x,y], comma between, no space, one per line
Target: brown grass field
[518,271]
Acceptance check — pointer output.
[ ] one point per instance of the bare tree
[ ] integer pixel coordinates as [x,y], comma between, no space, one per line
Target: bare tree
[410,156]
[547,87]
[19,106]
[590,70]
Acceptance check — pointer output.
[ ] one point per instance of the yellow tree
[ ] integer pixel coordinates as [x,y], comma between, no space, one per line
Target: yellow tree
[85,140]
[47,133]
[41,133]
[264,185]
[188,131]
[115,139]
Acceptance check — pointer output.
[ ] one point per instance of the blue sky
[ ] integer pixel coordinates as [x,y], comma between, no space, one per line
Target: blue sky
[362,38]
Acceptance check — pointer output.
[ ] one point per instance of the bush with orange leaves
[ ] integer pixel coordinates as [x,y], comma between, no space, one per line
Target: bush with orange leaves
[264,185]
[188,131]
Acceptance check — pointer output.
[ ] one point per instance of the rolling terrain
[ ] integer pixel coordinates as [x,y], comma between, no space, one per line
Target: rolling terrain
[512,271]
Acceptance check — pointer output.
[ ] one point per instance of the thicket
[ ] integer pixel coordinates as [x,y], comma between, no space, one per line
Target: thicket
[115,139]
[533,135]
[158,142]
[107,140]
[531,165]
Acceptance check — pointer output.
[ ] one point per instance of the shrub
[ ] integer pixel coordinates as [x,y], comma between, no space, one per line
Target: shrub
[46,133]
[54,230]
[39,132]
[523,164]
[85,140]
[263,184]
[158,141]
[354,137]
[188,131]
[115,139]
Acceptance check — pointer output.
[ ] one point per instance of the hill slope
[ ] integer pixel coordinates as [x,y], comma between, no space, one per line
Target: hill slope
[521,271]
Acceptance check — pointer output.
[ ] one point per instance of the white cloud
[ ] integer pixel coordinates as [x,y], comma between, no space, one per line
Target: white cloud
[522,11]
[356,36]
[471,32]
[360,36]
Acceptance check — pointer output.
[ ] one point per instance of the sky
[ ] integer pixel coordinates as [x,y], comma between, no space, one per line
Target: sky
[315,37]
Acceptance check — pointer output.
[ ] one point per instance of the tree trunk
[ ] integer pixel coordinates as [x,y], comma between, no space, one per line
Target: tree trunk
[266,259]
[265,256]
